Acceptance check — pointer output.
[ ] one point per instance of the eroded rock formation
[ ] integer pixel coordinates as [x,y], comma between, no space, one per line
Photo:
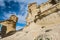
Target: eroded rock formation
[43,23]
[8,26]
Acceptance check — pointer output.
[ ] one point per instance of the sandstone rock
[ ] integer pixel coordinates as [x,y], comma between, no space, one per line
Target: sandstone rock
[46,28]
[8,26]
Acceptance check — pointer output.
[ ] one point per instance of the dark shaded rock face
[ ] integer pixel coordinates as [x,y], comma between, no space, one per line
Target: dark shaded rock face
[0,32]
[8,26]
[3,31]
[57,1]
[54,1]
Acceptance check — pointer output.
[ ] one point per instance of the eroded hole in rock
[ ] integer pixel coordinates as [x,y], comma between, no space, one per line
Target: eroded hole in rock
[43,27]
[48,30]
[53,2]
[26,31]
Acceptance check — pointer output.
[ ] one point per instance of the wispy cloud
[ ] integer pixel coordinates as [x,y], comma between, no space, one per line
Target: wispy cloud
[2,3]
[31,1]
[19,27]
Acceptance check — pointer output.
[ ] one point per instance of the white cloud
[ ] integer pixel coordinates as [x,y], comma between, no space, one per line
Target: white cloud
[30,1]
[21,19]
[2,3]
[38,1]
[19,27]
[21,0]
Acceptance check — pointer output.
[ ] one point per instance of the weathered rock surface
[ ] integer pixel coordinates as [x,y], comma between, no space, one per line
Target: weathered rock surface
[47,28]
[34,31]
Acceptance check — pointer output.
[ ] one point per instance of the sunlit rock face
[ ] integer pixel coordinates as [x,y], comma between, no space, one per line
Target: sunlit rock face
[43,23]
[8,26]
[14,18]
[32,11]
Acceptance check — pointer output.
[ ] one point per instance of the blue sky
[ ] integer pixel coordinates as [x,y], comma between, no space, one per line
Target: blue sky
[18,8]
